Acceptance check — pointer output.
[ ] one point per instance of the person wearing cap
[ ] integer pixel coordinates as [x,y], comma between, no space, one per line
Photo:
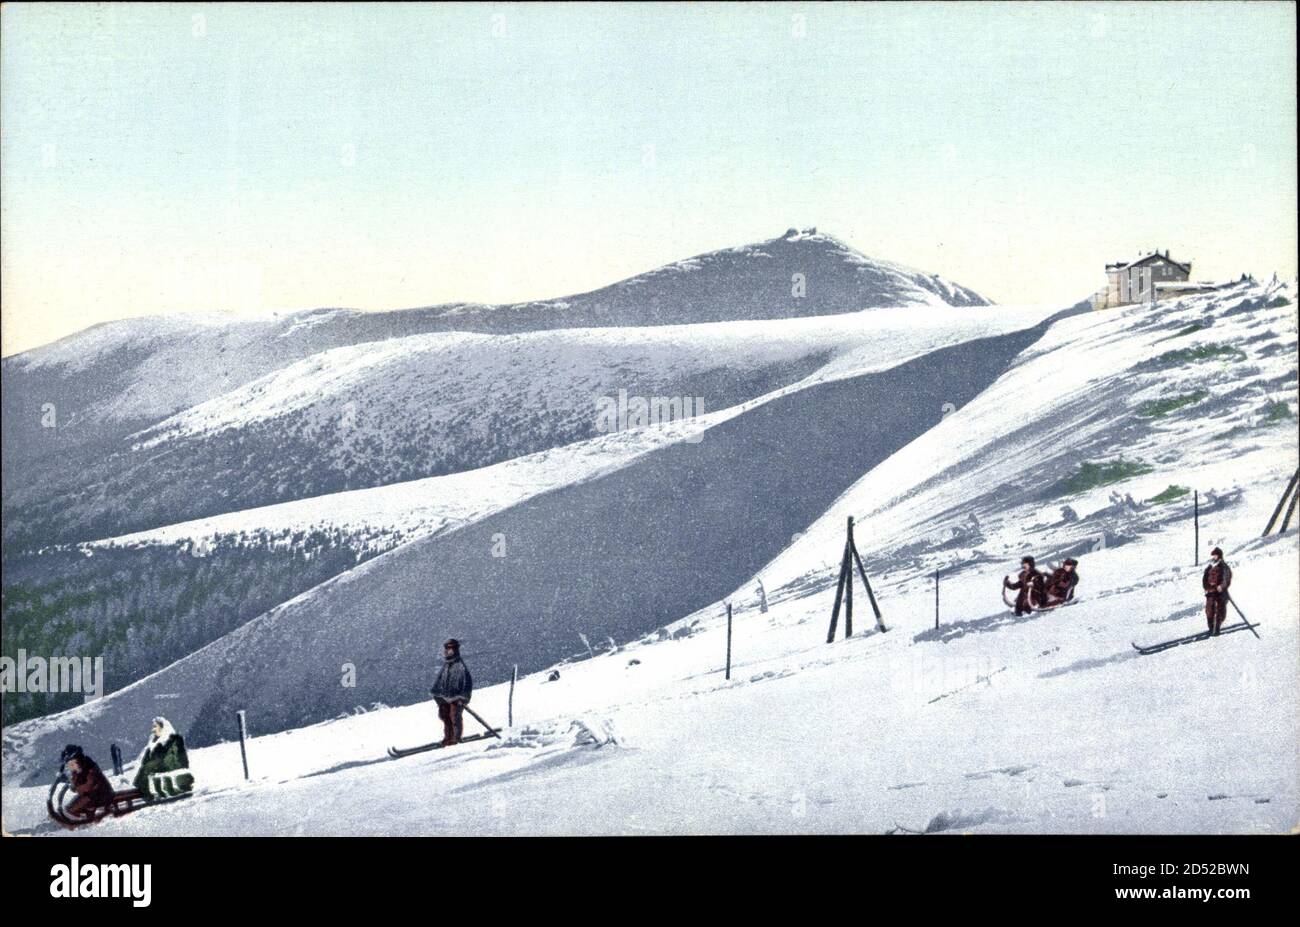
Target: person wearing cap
[1215,581]
[452,690]
[1030,582]
[1060,585]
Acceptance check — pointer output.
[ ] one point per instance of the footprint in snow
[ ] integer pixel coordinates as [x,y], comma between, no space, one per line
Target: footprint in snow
[1005,770]
[952,820]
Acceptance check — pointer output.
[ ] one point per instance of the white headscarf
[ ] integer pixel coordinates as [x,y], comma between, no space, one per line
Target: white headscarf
[157,739]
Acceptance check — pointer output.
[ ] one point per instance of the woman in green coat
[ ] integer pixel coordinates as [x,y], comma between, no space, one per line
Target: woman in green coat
[164,766]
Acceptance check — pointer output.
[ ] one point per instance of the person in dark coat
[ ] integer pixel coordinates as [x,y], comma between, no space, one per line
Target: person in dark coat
[164,765]
[1060,585]
[1030,582]
[87,780]
[452,690]
[1215,581]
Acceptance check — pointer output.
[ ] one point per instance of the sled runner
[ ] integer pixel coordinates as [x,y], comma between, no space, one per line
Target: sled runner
[1193,638]
[1035,603]
[122,803]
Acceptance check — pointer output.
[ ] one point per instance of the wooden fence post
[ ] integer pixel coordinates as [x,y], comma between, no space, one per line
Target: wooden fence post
[510,705]
[243,736]
[728,640]
[1196,524]
[936,599]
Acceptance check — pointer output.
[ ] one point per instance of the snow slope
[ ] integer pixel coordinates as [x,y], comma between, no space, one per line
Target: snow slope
[409,408]
[535,576]
[991,723]
[430,385]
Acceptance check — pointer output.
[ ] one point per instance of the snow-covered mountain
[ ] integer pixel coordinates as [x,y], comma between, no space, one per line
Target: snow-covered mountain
[801,273]
[1087,440]
[572,371]
[119,377]
[800,445]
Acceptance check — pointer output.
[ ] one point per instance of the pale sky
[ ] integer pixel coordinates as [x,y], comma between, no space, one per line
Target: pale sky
[249,159]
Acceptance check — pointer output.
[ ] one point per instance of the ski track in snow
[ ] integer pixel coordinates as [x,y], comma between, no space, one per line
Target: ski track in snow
[1051,723]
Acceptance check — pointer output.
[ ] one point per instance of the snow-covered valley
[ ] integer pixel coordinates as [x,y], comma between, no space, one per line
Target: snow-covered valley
[1082,436]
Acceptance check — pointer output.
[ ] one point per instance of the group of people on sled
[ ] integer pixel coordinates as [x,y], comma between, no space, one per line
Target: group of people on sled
[162,772]
[1036,589]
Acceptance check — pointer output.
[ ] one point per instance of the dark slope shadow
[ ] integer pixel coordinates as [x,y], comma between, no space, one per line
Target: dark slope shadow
[616,556]
[957,629]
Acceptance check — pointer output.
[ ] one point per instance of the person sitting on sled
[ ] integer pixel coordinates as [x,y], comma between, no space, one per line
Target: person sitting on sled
[1030,582]
[1215,581]
[87,780]
[452,690]
[1060,585]
[164,765]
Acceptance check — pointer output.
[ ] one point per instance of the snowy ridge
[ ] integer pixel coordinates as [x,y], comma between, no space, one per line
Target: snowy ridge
[571,367]
[407,409]
[135,372]
[806,737]
[419,507]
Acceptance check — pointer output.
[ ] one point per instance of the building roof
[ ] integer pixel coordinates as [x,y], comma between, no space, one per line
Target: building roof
[1150,258]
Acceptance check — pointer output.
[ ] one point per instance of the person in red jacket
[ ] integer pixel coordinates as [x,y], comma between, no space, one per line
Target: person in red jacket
[1030,582]
[1215,581]
[87,780]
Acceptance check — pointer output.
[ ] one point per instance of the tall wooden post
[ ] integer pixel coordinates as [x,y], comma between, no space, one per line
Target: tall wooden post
[936,600]
[848,584]
[871,596]
[243,735]
[1290,512]
[844,589]
[728,640]
[510,704]
[1281,504]
[845,576]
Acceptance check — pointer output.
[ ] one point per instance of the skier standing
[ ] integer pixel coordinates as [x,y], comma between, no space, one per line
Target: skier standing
[1215,581]
[1030,582]
[452,690]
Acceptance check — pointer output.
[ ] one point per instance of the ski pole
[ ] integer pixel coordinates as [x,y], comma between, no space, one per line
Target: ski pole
[491,730]
[1243,617]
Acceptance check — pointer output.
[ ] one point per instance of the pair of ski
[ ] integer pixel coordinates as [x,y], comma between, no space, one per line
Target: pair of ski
[1245,625]
[398,752]
[1193,638]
